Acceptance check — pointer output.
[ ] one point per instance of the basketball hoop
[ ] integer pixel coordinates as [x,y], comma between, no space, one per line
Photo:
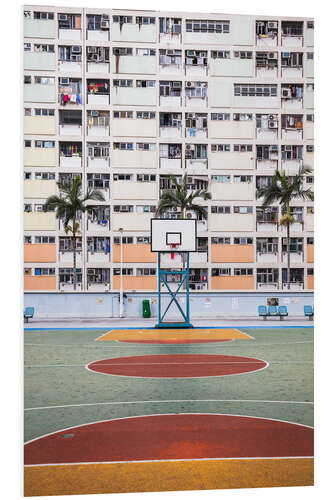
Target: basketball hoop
[173,246]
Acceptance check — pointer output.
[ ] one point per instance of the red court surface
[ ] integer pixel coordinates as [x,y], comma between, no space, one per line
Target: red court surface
[172,437]
[177,365]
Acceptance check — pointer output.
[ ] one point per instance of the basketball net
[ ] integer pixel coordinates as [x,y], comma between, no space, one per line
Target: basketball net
[173,246]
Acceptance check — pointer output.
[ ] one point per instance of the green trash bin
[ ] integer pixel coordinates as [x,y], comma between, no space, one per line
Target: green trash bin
[146,308]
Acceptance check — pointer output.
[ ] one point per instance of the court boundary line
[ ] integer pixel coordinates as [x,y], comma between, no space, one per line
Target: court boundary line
[158,415]
[172,378]
[311,457]
[102,403]
[267,327]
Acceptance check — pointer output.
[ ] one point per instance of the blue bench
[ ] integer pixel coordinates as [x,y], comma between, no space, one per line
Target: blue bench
[272,311]
[28,313]
[309,312]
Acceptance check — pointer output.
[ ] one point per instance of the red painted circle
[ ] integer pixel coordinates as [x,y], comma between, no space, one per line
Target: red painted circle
[170,341]
[167,437]
[177,365]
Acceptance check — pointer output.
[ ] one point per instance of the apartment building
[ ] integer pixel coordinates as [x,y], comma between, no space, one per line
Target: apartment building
[126,98]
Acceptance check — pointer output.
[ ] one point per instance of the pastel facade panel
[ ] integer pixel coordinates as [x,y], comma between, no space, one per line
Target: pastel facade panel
[256,102]
[220,93]
[232,283]
[128,127]
[136,283]
[134,64]
[39,188]
[231,67]
[308,68]
[39,28]
[308,99]
[309,222]
[136,96]
[232,191]
[122,190]
[231,222]
[207,38]
[39,157]
[35,61]
[227,129]
[232,253]
[40,252]
[231,161]
[242,30]
[310,253]
[37,92]
[308,130]
[309,37]
[134,253]
[40,125]
[310,282]
[39,221]
[309,160]
[133,33]
[134,159]
[131,221]
[40,282]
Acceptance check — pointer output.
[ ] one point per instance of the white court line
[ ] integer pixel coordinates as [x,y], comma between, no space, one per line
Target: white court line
[225,344]
[170,401]
[169,460]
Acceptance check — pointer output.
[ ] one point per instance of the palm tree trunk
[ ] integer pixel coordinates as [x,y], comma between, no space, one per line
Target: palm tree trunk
[288,255]
[74,262]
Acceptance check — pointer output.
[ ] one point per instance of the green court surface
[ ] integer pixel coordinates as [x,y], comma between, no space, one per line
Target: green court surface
[60,392]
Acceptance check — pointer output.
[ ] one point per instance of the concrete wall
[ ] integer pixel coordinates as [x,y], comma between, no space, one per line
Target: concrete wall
[39,189]
[132,221]
[37,92]
[231,129]
[228,222]
[39,125]
[231,161]
[232,67]
[133,253]
[43,61]
[134,159]
[232,191]
[232,282]
[136,96]
[202,305]
[232,253]
[130,190]
[39,157]
[39,28]
[134,32]
[134,64]
[40,252]
[39,221]
[130,127]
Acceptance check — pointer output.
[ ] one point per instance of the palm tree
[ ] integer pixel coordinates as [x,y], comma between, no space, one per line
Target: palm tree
[283,189]
[181,197]
[68,206]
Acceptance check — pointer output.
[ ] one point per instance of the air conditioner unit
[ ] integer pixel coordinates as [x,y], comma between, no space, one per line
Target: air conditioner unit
[192,147]
[176,85]
[274,148]
[190,52]
[190,115]
[104,24]
[94,113]
[90,271]
[236,116]
[271,124]
[236,54]
[272,55]
[170,52]
[64,80]
[189,84]
[272,24]
[76,49]
[286,93]
[188,147]
[285,54]
[91,50]
[62,17]
[271,117]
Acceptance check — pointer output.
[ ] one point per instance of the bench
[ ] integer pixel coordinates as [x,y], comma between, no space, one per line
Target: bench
[28,313]
[271,311]
[309,312]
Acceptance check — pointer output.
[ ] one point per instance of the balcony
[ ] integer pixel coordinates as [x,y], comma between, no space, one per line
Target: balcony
[98,92]
[267,257]
[266,64]
[171,156]
[98,250]
[98,218]
[65,257]
[292,33]
[267,158]
[70,155]
[267,33]
[170,30]
[69,26]
[292,96]
[98,27]
[98,123]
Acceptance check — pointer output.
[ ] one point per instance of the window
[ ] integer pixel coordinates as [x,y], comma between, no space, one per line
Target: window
[98,150]
[196,89]
[45,239]
[221,178]
[66,275]
[98,275]
[123,114]
[44,176]
[242,54]
[243,271]
[145,115]
[144,271]
[310,210]
[27,175]
[310,24]
[27,144]
[242,116]
[220,147]
[123,208]
[243,148]
[219,271]
[296,245]
[27,239]
[207,26]
[145,146]
[122,19]
[243,178]
[98,54]
[146,177]
[310,118]
[45,80]
[140,209]
[267,275]
[220,54]
[127,271]
[43,48]
[252,90]
[123,83]
[310,241]
[98,181]
[243,241]
[170,56]
[44,112]
[310,271]
[310,148]
[145,52]
[122,51]
[124,146]
[143,240]
[196,57]
[220,116]
[126,240]
[309,179]
[44,271]
[98,22]
[27,207]
[221,240]
[267,245]
[27,79]
[122,177]
[220,210]
[145,20]
[27,271]
[243,210]
[309,55]
[27,47]
[44,15]
[145,83]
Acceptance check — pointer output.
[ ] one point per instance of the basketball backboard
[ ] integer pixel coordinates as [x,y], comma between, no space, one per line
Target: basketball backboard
[170,235]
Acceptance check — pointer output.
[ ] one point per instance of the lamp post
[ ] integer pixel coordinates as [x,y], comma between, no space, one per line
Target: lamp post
[121,295]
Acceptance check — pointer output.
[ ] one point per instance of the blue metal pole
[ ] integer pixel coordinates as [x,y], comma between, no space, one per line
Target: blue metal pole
[159,287]
[188,288]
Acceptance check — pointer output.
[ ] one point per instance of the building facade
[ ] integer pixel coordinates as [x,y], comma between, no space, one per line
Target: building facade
[126,98]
